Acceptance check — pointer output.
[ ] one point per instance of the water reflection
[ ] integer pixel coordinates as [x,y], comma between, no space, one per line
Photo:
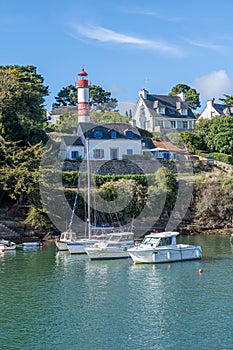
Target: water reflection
[231,242]
[61,258]
[81,304]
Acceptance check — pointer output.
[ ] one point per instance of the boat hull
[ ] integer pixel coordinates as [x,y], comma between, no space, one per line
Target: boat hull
[107,254]
[160,255]
[61,245]
[31,244]
[79,247]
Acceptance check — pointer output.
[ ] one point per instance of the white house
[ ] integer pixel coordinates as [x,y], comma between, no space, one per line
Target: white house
[162,113]
[110,140]
[106,142]
[213,109]
[71,148]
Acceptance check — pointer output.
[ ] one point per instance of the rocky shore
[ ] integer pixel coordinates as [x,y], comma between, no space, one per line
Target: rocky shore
[210,212]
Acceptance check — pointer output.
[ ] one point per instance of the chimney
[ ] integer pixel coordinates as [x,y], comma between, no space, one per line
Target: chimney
[143,93]
[209,109]
[182,96]
[209,103]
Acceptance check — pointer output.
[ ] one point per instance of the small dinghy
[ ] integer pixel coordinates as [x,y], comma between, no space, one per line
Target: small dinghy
[8,245]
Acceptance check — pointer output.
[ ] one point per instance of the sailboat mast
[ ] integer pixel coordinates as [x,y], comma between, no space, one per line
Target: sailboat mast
[88,193]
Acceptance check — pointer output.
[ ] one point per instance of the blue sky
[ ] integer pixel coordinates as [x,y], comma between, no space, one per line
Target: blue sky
[123,45]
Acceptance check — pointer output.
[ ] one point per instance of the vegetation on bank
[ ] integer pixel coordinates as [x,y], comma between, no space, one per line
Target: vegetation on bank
[24,133]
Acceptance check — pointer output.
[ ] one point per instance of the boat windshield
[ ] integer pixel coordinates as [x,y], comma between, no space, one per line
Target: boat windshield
[120,238]
[151,241]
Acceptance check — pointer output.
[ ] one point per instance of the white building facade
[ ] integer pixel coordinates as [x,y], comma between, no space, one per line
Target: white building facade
[162,112]
[111,140]
[213,109]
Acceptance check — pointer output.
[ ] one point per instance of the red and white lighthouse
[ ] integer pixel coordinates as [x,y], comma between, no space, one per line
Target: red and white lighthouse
[83,97]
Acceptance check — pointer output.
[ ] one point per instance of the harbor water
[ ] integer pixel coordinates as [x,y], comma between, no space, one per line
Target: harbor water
[54,300]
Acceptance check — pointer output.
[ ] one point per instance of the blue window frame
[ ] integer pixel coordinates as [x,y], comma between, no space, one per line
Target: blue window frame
[113,134]
[74,154]
[98,134]
[129,134]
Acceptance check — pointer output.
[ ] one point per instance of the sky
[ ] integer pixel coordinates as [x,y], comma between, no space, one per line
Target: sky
[124,46]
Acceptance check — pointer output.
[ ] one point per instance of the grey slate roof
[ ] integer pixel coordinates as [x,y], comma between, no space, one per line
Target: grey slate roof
[64,110]
[106,128]
[223,109]
[171,105]
[72,141]
[148,143]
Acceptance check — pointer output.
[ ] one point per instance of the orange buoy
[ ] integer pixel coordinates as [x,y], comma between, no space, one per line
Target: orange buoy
[200,271]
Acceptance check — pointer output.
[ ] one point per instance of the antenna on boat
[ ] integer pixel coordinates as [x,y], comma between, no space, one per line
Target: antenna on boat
[88,192]
[75,200]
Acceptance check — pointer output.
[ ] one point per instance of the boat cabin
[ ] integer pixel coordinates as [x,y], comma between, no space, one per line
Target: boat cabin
[68,236]
[160,239]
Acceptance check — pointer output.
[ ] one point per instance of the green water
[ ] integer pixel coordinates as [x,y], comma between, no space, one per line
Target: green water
[52,300]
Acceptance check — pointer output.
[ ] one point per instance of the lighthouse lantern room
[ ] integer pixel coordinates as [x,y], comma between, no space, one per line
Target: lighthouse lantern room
[83,97]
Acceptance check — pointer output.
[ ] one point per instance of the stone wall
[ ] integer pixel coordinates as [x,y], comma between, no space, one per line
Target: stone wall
[117,167]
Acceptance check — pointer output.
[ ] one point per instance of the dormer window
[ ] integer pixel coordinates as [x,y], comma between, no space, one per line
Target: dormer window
[98,134]
[129,134]
[161,110]
[113,134]
[184,112]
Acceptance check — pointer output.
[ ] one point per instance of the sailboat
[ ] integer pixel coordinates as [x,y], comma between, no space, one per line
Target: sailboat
[68,236]
[78,245]
[65,237]
[115,246]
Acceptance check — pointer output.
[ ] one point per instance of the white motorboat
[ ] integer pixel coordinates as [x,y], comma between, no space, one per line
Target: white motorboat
[8,245]
[79,246]
[65,237]
[115,246]
[162,247]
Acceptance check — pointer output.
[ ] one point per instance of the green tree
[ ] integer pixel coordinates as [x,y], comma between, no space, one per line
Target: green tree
[67,123]
[220,136]
[215,135]
[22,112]
[19,171]
[176,139]
[166,181]
[228,100]
[127,194]
[101,100]
[67,96]
[38,219]
[193,142]
[191,95]
[108,117]
[201,134]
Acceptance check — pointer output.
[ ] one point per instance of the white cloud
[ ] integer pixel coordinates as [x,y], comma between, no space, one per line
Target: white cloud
[109,36]
[215,84]
[206,45]
[146,12]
